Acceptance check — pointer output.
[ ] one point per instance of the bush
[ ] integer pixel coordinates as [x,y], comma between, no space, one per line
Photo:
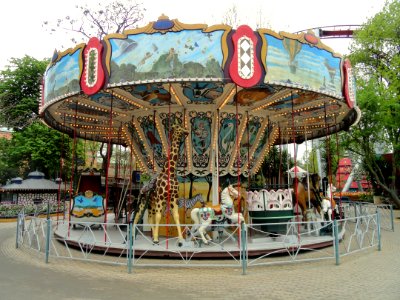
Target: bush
[12,210]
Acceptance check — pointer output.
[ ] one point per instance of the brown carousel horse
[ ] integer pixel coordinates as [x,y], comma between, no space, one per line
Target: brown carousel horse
[301,196]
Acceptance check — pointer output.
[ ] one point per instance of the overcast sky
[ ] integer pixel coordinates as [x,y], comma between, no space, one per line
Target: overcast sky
[22,32]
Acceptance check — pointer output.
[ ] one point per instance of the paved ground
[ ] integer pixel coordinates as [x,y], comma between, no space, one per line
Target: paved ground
[369,274]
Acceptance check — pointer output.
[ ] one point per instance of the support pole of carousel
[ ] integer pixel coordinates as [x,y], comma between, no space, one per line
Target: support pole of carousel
[338,183]
[108,167]
[168,208]
[280,173]
[295,167]
[288,158]
[128,216]
[238,167]
[307,169]
[328,152]
[318,154]
[185,154]
[215,173]
[72,169]
[61,173]
[215,169]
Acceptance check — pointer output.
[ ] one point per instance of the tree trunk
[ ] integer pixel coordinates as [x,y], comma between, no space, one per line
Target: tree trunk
[104,156]
[392,192]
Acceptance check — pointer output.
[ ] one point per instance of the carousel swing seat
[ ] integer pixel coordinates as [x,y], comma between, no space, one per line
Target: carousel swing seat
[87,208]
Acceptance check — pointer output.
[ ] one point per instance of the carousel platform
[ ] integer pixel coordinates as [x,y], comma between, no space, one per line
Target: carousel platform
[111,239]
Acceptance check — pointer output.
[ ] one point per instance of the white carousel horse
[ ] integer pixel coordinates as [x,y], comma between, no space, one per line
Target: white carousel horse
[326,209]
[221,214]
[327,203]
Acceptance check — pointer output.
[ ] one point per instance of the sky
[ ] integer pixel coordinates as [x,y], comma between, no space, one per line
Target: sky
[22,32]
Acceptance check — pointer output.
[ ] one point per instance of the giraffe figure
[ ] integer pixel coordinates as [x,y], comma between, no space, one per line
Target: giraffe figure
[158,196]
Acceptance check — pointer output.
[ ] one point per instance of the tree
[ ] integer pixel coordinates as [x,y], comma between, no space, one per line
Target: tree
[20,91]
[376,59]
[113,18]
[91,150]
[231,17]
[331,151]
[33,146]
[275,165]
[37,147]
[7,169]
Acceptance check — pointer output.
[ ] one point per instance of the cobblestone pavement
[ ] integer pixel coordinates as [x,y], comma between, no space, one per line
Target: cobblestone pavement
[369,274]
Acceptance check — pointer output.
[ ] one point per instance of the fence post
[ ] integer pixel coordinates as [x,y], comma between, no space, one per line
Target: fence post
[378,221]
[130,248]
[243,239]
[48,239]
[391,216]
[355,210]
[18,224]
[336,234]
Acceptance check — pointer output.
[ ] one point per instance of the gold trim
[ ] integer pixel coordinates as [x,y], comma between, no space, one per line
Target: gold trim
[176,96]
[69,51]
[243,119]
[135,151]
[123,95]
[266,148]
[293,36]
[225,96]
[224,39]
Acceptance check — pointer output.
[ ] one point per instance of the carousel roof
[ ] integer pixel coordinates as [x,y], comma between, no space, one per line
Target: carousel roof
[238,91]
[34,182]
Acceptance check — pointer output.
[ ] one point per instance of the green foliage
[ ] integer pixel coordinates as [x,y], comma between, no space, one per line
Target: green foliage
[37,147]
[7,169]
[376,59]
[275,165]
[310,159]
[20,91]
[331,151]
[33,146]
[12,210]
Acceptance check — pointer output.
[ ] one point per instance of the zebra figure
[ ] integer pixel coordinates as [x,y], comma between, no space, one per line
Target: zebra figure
[182,202]
[190,203]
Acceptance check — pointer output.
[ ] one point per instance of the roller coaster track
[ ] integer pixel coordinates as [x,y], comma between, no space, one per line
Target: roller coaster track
[332,32]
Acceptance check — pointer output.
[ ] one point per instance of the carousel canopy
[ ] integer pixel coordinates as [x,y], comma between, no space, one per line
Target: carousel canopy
[238,91]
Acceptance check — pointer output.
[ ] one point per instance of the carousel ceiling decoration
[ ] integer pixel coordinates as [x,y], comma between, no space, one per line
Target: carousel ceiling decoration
[239,92]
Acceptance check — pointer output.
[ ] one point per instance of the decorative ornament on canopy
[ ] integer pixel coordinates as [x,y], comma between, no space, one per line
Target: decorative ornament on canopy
[239,92]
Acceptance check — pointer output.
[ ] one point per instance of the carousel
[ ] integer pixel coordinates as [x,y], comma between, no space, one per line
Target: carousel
[198,101]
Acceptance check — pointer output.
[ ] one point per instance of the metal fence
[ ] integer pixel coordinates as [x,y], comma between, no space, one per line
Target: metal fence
[355,209]
[243,247]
